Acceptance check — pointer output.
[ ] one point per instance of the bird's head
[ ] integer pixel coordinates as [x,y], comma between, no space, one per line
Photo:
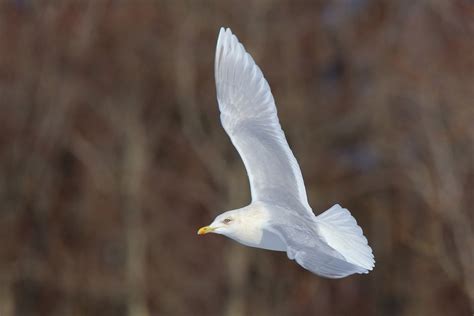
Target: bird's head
[246,226]
[225,224]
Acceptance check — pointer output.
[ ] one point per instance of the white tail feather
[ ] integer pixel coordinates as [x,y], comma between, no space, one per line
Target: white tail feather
[341,232]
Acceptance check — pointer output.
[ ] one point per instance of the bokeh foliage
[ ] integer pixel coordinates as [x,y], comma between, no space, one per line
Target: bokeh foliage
[112,155]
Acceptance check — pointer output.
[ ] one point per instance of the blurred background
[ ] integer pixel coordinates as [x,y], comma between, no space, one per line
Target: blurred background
[112,155]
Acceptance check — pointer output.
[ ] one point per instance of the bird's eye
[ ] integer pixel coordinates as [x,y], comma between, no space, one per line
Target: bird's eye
[227,221]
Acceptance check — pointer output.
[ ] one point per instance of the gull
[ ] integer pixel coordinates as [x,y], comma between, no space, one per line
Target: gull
[279,217]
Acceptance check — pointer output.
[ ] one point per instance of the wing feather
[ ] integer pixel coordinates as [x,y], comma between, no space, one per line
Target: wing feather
[249,116]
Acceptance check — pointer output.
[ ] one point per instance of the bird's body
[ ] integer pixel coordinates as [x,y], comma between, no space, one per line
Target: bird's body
[279,217]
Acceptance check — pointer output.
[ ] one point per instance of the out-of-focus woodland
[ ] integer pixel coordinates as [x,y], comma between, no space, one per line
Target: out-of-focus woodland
[112,155]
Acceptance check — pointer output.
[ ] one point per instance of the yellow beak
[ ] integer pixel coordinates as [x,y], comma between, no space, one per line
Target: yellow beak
[206,229]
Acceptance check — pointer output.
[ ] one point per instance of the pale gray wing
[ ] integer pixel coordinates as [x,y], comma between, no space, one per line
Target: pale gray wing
[249,116]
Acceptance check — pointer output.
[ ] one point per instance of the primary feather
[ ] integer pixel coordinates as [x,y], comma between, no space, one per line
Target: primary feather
[249,116]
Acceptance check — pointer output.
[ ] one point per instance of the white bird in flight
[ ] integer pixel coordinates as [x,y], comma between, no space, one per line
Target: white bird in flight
[279,217]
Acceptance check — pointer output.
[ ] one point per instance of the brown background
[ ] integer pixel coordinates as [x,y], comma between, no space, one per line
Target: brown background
[112,155]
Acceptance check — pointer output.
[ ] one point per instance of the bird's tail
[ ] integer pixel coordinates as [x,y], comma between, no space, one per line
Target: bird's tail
[341,232]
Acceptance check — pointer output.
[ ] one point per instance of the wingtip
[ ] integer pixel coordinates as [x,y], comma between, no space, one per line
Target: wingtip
[222,42]
[224,30]
[221,30]
[223,36]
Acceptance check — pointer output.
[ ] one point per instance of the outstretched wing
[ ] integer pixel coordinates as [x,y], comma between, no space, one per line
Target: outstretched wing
[249,116]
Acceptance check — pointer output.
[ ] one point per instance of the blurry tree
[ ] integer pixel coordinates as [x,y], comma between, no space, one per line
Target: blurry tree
[112,155]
